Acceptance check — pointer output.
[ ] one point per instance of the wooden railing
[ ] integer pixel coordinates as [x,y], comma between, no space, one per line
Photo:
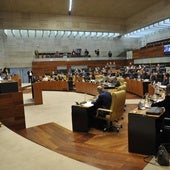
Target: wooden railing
[156,51]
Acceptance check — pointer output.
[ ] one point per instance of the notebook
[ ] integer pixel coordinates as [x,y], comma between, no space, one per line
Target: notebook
[155,111]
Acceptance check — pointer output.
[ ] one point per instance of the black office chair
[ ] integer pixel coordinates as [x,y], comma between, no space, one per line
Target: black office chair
[165,131]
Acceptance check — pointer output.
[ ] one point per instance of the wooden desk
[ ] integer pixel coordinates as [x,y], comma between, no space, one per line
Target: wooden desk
[143,132]
[38,87]
[86,87]
[8,86]
[82,118]
[137,87]
[12,110]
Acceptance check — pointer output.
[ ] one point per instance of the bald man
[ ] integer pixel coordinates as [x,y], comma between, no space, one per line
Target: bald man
[103,100]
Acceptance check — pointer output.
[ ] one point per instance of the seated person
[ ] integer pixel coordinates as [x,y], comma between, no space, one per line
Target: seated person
[165,79]
[165,103]
[103,100]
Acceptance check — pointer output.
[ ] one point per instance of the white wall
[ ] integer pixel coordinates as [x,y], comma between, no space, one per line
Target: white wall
[161,35]
[19,51]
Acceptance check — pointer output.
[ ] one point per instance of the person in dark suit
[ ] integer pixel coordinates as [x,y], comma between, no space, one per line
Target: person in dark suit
[165,103]
[165,79]
[164,120]
[29,73]
[103,100]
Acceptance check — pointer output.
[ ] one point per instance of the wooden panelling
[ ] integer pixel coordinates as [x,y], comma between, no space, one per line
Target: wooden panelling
[12,110]
[86,87]
[38,87]
[47,67]
[135,87]
[156,51]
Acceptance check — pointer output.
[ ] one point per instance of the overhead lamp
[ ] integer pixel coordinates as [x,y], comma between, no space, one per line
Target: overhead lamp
[70,7]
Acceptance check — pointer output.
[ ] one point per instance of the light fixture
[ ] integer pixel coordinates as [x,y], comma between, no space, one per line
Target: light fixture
[58,33]
[70,7]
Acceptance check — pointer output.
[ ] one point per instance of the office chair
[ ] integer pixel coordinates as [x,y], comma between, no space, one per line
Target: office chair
[165,131]
[115,113]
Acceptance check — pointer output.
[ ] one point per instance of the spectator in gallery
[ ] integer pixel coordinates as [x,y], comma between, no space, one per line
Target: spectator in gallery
[86,52]
[73,53]
[97,52]
[109,54]
[56,54]
[36,53]
[165,79]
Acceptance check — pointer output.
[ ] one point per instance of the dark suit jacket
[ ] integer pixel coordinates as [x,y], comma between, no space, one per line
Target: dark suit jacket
[103,101]
[165,103]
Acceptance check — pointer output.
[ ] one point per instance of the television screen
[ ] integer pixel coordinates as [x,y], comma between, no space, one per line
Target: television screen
[167,49]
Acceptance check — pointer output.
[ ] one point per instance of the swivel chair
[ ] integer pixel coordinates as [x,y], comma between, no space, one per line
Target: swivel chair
[115,113]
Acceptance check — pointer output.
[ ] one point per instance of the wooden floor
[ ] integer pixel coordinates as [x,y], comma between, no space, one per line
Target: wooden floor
[105,150]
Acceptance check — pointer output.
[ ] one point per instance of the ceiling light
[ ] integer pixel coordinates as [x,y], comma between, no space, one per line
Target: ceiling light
[70,7]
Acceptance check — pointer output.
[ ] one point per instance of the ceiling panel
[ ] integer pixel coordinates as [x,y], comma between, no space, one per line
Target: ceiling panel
[110,8]
[120,12]
[59,7]
[87,8]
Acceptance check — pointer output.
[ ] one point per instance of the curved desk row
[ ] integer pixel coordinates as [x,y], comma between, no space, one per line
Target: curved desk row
[38,87]
[137,87]
[86,87]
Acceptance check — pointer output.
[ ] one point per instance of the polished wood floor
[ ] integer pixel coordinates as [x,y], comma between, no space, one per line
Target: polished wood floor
[105,150]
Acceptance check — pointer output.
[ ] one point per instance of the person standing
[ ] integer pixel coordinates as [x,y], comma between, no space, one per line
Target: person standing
[109,54]
[86,53]
[29,73]
[97,52]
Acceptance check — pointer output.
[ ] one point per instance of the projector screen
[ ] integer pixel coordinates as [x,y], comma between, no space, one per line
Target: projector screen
[167,49]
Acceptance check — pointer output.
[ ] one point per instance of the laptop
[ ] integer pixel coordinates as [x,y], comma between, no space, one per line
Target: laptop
[155,111]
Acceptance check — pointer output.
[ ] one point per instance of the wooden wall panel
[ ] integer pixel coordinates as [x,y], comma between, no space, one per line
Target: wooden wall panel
[12,110]
[40,68]
[156,51]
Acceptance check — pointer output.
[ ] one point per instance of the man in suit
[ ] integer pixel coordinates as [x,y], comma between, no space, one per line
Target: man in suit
[29,73]
[103,100]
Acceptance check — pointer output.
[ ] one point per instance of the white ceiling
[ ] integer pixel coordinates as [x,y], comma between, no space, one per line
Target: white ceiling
[120,10]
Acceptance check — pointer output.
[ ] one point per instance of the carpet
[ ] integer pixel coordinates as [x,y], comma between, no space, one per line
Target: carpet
[56,108]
